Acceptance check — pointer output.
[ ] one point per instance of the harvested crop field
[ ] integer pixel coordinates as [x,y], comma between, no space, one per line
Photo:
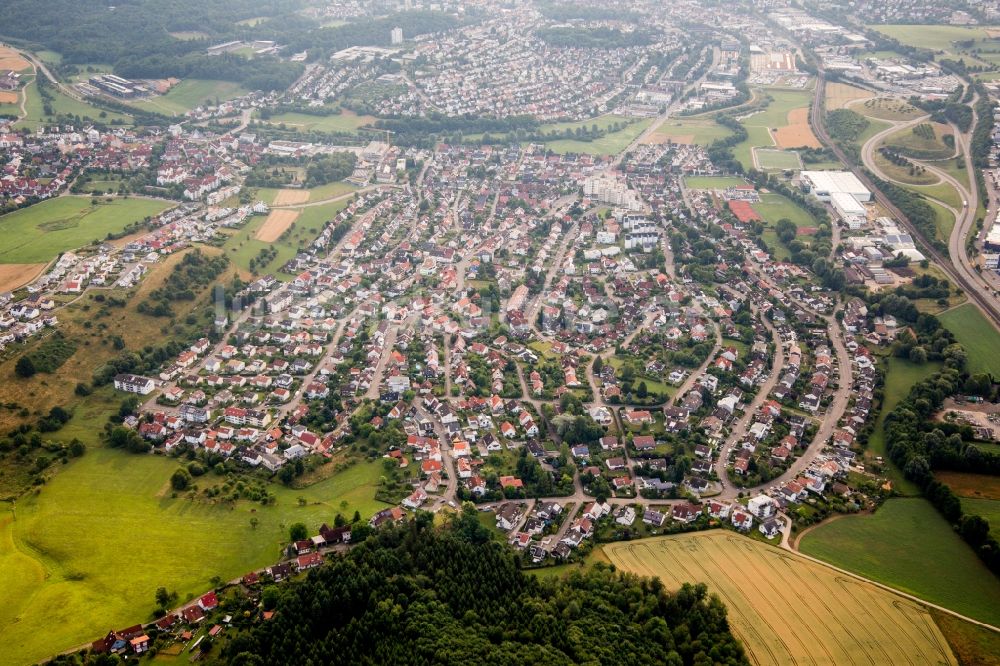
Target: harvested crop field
[839,95]
[797,133]
[980,486]
[13,276]
[11,59]
[291,197]
[276,224]
[9,97]
[789,610]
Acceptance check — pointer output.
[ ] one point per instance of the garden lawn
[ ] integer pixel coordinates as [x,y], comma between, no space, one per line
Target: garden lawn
[190,94]
[89,551]
[42,231]
[907,545]
[977,335]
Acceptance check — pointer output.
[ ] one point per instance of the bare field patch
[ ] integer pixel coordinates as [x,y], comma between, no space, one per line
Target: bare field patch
[13,276]
[964,484]
[787,609]
[797,133]
[291,197]
[839,95]
[276,224]
[11,59]
[9,97]
[657,139]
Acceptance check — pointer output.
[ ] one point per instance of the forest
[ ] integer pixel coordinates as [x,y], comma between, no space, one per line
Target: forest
[420,595]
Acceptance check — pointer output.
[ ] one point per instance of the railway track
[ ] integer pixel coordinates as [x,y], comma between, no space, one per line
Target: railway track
[983,301]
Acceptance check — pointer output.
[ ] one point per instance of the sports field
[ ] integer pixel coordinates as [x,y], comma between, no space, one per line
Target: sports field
[89,551]
[38,233]
[786,609]
[777,159]
[191,93]
[979,338]
[907,545]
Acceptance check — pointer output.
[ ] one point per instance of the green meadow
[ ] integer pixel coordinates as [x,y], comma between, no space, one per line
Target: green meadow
[87,552]
[978,336]
[191,93]
[241,247]
[38,233]
[609,144]
[906,544]
[900,377]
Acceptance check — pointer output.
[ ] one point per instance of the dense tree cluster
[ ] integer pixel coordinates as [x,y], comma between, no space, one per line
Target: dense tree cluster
[415,595]
[918,446]
[195,272]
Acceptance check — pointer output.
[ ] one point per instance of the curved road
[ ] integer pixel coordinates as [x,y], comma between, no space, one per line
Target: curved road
[959,272]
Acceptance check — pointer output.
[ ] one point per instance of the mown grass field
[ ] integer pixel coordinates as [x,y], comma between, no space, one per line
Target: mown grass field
[907,545]
[979,338]
[773,207]
[701,131]
[774,116]
[190,94]
[987,508]
[900,377]
[40,232]
[942,192]
[712,182]
[88,552]
[786,609]
[345,121]
[937,37]
[778,159]
[242,246]
[609,144]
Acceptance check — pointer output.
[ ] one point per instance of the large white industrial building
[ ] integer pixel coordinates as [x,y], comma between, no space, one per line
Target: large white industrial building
[843,191]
